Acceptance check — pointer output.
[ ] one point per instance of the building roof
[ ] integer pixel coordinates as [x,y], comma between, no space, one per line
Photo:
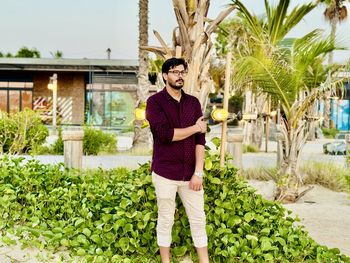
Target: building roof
[72,65]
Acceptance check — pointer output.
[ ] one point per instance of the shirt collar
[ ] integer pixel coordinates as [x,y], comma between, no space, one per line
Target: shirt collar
[168,96]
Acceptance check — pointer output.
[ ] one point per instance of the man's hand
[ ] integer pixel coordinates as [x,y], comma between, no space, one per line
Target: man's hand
[196,183]
[202,124]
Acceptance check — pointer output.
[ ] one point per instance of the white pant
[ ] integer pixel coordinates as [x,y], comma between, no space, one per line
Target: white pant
[193,202]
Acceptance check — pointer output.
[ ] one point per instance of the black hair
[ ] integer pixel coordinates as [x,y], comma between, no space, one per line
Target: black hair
[172,63]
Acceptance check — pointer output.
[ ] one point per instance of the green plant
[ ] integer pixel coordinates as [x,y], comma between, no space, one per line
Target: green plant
[42,150]
[328,175]
[20,132]
[329,133]
[58,146]
[260,173]
[250,148]
[96,141]
[347,178]
[110,216]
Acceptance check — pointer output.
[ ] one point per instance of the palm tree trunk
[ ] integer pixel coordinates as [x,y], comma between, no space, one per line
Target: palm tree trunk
[141,142]
[312,112]
[290,180]
[258,124]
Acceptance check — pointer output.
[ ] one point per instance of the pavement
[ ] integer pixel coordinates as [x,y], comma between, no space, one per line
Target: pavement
[312,151]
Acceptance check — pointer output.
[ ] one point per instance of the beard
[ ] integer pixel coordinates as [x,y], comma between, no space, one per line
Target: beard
[178,84]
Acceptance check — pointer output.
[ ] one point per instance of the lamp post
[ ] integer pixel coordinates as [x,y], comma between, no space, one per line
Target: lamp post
[223,113]
[53,86]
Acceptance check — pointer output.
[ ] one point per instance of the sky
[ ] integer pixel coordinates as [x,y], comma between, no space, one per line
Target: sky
[87,28]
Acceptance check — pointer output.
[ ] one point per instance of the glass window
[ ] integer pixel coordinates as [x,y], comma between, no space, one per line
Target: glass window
[16,95]
[16,85]
[26,99]
[14,100]
[4,84]
[3,100]
[110,108]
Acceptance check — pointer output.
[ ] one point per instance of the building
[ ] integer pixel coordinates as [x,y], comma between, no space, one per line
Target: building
[340,106]
[340,111]
[101,92]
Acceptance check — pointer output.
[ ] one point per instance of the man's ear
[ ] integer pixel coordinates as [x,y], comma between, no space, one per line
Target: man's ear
[165,76]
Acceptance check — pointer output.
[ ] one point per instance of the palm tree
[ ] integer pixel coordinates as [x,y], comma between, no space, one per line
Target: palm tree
[57,54]
[259,33]
[192,41]
[335,13]
[277,23]
[285,76]
[141,141]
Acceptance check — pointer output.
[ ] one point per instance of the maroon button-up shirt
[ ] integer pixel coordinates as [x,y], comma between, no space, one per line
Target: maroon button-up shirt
[173,160]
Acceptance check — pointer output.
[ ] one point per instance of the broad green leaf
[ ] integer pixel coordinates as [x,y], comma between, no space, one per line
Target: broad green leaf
[96,238]
[208,164]
[124,243]
[179,251]
[79,222]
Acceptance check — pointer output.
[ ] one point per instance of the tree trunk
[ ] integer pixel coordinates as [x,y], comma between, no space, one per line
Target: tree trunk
[258,124]
[141,141]
[289,178]
[192,41]
[312,123]
[247,129]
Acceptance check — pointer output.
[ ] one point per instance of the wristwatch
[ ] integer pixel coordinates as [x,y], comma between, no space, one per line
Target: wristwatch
[199,174]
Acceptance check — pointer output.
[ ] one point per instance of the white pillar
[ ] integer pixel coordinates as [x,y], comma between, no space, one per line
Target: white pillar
[235,149]
[73,148]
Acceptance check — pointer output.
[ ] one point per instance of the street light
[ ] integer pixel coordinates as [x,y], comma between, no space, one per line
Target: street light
[140,114]
[219,114]
[53,86]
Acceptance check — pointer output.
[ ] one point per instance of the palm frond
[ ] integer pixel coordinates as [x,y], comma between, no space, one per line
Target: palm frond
[295,16]
[309,49]
[301,107]
[272,75]
[276,22]
[268,10]
[251,20]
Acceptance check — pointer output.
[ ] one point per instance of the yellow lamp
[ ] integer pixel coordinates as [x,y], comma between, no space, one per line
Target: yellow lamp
[219,114]
[140,114]
[52,86]
[273,113]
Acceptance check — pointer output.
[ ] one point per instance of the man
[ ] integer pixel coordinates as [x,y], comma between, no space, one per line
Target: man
[178,130]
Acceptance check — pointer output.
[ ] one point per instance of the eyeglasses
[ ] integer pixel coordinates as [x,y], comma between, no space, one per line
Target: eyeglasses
[177,73]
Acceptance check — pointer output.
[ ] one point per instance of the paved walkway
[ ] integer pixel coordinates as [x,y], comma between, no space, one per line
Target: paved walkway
[312,151]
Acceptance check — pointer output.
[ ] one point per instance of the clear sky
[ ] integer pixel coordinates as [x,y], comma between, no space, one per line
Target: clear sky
[86,28]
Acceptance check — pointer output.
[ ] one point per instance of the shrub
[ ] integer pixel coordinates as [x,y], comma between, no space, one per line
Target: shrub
[250,148]
[329,133]
[20,132]
[260,173]
[94,142]
[110,216]
[58,146]
[328,175]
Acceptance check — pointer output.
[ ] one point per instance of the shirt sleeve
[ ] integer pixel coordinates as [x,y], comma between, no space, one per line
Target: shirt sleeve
[199,137]
[159,124]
